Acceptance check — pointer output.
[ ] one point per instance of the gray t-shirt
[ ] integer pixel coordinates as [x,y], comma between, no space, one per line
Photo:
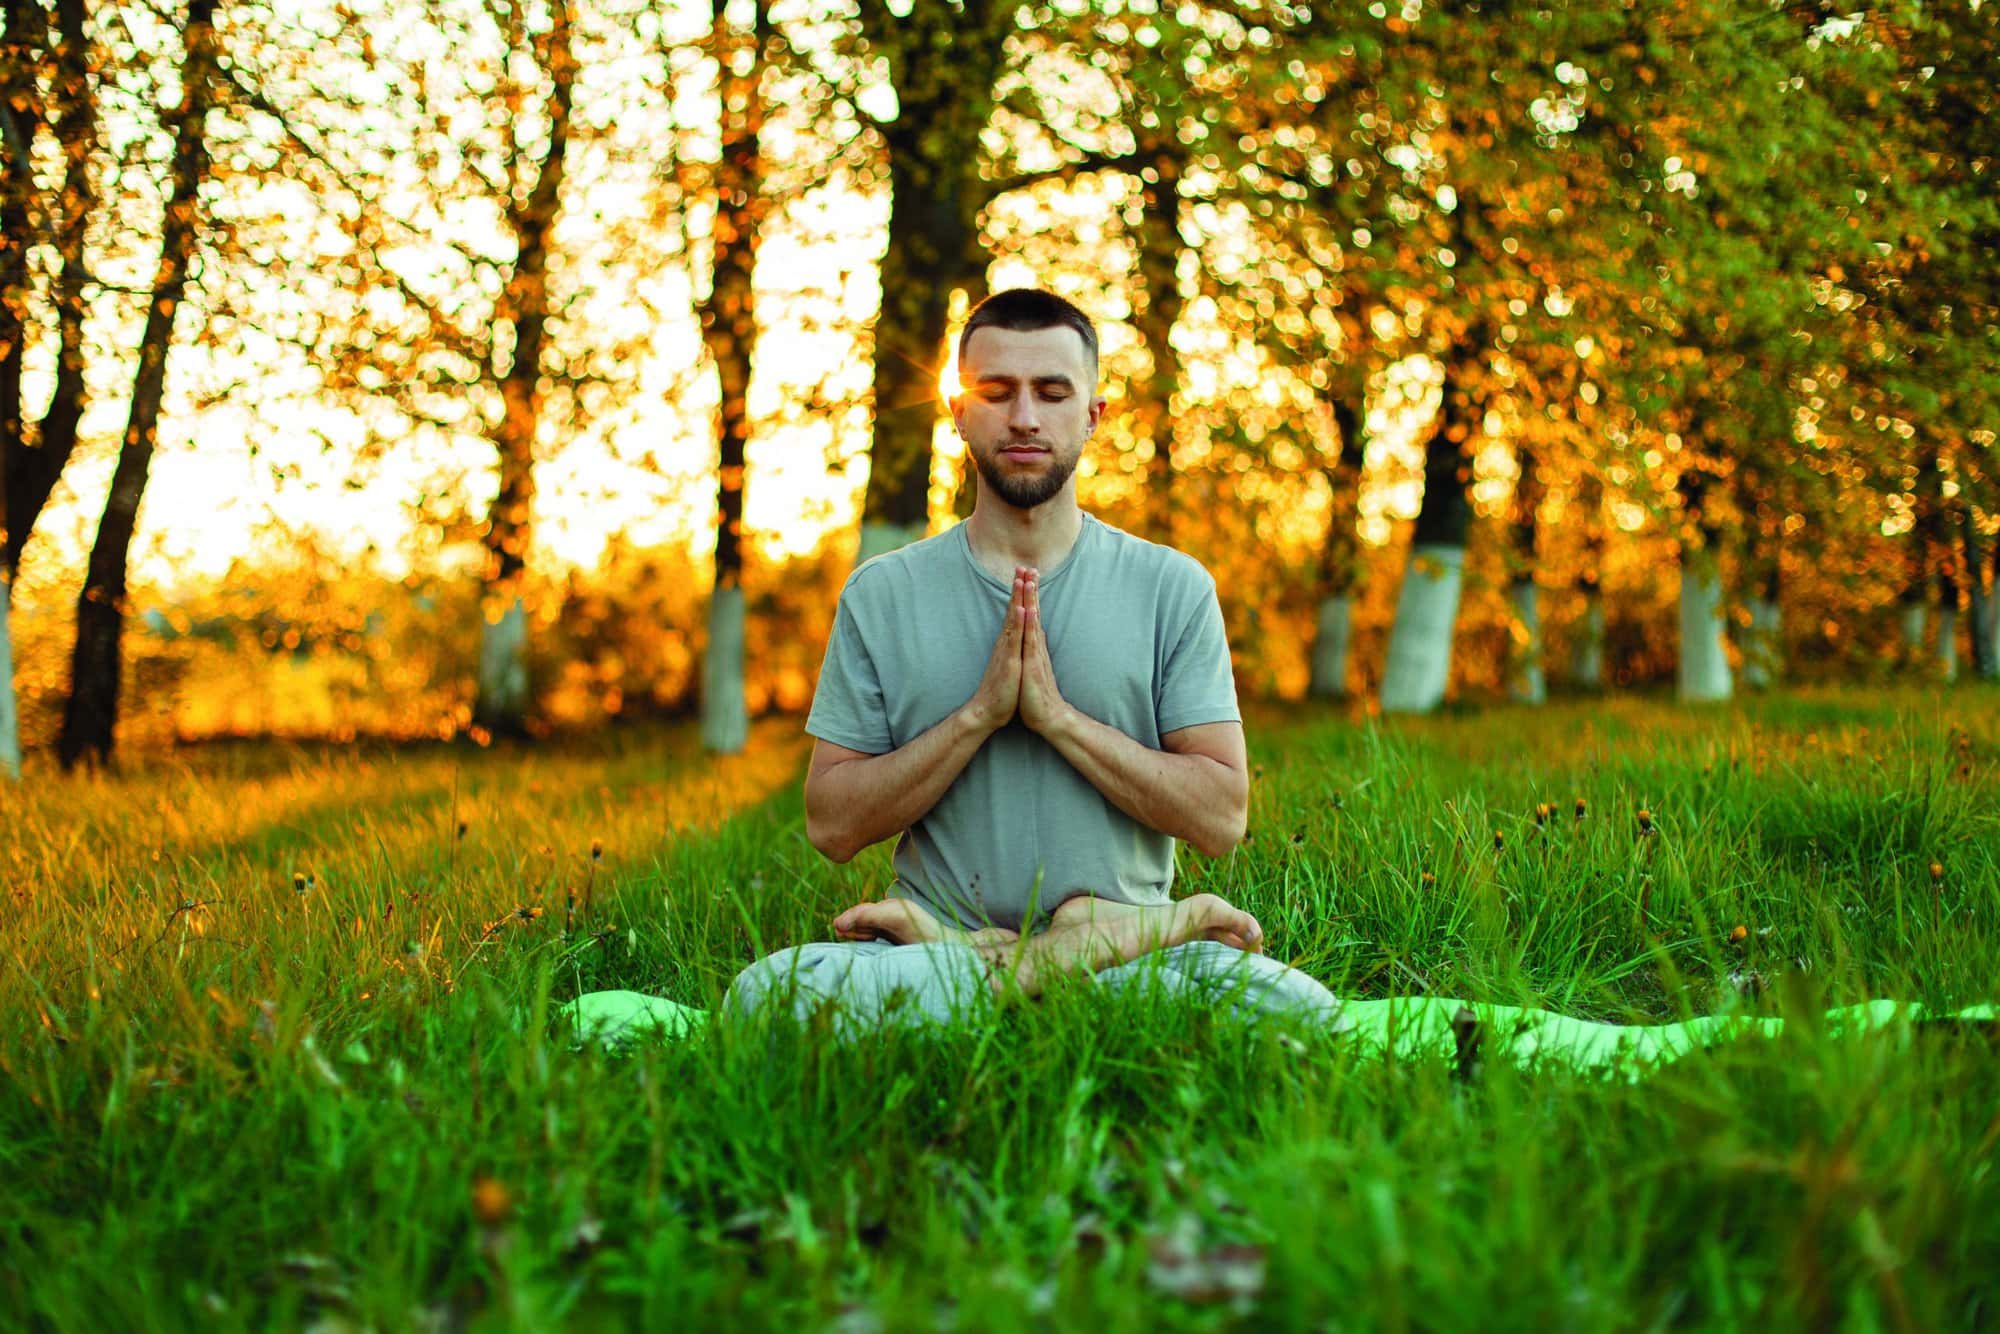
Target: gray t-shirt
[1136,638]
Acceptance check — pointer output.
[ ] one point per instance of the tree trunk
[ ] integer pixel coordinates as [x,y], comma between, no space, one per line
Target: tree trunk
[729,327]
[20,53]
[1155,314]
[1419,664]
[935,194]
[1587,659]
[91,714]
[1916,619]
[1985,626]
[503,671]
[1947,631]
[501,706]
[1704,673]
[1586,669]
[32,469]
[725,718]
[1991,634]
[928,239]
[1526,683]
[10,718]
[1704,655]
[1340,555]
[1332,648]
[1922,558]
[1763,644]
[1763,653]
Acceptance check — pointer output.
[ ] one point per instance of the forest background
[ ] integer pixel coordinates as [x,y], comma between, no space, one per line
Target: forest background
[432,367]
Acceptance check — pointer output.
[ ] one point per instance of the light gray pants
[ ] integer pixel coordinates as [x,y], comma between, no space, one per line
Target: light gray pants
[876,983]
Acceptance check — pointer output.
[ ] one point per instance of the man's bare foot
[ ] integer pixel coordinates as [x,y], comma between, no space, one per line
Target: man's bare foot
[1197,917]
[1088,935]
[907,922]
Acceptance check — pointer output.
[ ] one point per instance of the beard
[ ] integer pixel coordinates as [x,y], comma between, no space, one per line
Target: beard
[1024,491]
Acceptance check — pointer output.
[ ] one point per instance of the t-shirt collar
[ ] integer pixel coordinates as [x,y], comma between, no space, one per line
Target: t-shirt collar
[1048,576]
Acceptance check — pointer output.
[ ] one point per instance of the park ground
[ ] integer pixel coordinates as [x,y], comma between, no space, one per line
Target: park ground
[278,1045]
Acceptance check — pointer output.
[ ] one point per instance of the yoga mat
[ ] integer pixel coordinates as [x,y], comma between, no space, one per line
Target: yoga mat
[1410,1026]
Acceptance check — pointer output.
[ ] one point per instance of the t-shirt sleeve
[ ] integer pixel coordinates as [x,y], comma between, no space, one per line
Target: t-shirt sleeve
[847,706]
[1197,684]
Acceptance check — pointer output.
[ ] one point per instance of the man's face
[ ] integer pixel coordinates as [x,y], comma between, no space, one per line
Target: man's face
[1027,401]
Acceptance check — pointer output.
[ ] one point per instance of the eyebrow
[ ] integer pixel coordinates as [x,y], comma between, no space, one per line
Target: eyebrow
[1038,380]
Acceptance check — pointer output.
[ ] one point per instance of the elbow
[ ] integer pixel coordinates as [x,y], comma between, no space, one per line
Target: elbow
[1219,840]
[1230,826]
[1223,843]
[827,841]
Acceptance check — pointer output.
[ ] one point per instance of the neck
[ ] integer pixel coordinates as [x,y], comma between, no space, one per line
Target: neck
[1002,536]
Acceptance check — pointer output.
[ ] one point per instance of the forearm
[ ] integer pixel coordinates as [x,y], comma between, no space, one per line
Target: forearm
[865,801]
[1193,798]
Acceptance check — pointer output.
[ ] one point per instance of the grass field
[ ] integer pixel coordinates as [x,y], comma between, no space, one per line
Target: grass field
[277,1046]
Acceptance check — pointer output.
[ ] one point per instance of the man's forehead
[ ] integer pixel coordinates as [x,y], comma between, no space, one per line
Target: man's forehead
[1057,351]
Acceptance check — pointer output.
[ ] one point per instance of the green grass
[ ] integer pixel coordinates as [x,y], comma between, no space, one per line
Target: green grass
[271,1108]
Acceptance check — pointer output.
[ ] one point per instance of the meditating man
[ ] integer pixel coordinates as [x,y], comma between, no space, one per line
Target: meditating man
[1039,704]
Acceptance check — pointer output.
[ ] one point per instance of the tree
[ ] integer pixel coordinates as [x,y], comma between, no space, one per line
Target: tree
[945,61]
[32,460]
[460,298]
[1340,562]
[729,330]
[502,702]
[1726,169]
[1419,662]
[1489,250]
[91,713]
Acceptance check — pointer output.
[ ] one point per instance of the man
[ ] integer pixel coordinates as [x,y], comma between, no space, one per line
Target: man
[1038,704]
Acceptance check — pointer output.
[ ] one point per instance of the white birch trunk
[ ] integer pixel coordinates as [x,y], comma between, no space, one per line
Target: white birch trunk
[1704,657]
[1986,625]
[1587,662]
[1915,618]
[877,538]
[1419,663]
[1330,648]
[1526,683]
[503,663]
[1947,643]
[10,718]
[1763,651]
[725,718]
[1992,633]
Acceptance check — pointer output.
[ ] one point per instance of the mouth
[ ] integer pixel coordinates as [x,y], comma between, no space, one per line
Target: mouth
[1023,452]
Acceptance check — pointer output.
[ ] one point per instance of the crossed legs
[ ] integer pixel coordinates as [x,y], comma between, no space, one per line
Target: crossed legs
[1199,944]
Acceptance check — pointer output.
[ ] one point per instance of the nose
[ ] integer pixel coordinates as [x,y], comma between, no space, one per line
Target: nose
[1021,414]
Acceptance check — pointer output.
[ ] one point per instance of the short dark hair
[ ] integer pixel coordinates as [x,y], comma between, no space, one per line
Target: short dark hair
[1025,309]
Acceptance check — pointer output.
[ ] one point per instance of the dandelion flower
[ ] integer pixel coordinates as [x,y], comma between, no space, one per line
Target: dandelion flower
[490,1201]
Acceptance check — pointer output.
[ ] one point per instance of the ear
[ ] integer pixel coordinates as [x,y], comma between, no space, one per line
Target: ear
[1096,414]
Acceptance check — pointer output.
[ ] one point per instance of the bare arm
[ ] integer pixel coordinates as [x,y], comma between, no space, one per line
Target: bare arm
[1197,789]
[854,799]
[1200,795]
